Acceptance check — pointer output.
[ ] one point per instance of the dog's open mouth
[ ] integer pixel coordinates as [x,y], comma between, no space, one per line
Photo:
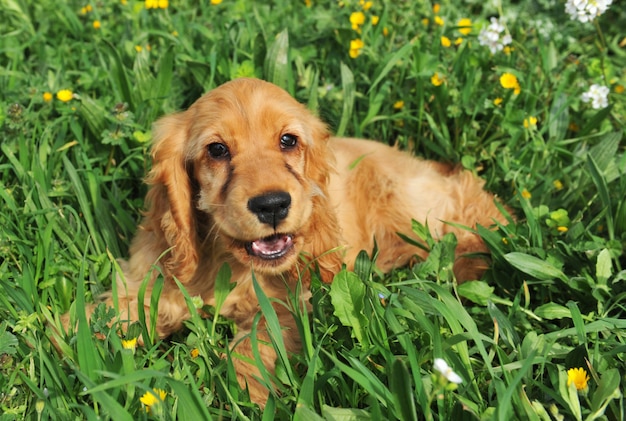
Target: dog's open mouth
[272,247]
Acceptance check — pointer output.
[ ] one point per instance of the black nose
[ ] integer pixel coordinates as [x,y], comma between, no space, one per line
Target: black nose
[270,208]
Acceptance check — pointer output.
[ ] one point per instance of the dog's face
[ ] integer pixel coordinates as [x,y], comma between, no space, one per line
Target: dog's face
[256,160]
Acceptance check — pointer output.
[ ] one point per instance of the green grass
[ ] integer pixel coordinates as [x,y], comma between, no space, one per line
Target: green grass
[71,197]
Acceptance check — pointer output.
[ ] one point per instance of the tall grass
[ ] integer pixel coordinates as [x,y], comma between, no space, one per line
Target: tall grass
[71,196]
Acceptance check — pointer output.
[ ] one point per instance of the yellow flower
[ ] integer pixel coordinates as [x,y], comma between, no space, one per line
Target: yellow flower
[367,5]
[88,8]
[385,31]
[355,47]
[153,398]
[526,194]
[138,48]
[497,101]
[163,4]
[557,184]
[65,95]
[619,89]
[47,96]
[438,21]
[579,377]
[530,122]
[96,24]
[509,81]
[465,26]
[124,2]
[436,79]
[507,50]
[436,8]
[307,3]
[561,229]
[129,343]
[216,1]
[194,353]
[425,21]
[445,41]
[357,19]
[375,20]
[398,105]
[151,4]
[458,41]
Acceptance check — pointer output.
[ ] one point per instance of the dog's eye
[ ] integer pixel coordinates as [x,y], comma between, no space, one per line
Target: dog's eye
[218,150]
[288,141]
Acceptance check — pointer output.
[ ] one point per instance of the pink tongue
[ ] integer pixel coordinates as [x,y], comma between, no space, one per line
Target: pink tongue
[271,246]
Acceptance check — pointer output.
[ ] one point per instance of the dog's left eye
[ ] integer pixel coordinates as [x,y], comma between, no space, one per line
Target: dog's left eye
[288,141]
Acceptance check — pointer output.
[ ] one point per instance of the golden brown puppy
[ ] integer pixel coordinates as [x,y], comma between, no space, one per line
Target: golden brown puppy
[250,177]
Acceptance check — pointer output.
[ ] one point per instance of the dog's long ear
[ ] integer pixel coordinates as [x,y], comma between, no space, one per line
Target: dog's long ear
[170,198]
[325,239]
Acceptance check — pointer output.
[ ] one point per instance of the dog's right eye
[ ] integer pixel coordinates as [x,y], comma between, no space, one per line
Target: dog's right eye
[218,150]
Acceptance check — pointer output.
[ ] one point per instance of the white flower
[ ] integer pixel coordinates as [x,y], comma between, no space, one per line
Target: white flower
[490,36]
[441,366]
[586,10]
[598,95]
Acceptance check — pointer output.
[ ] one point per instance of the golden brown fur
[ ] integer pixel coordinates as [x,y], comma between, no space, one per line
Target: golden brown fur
[201,209]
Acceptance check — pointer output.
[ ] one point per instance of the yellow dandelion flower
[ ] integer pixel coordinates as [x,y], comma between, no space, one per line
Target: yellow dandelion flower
[465,26]
[357,19]
[507,50]
[578,377]
[398,105]
[129,343]
[436,79]
[458,41]
[445,41]
[530,122]
[65,95]
[194,353]
[151,4]
[438,21]
[385,31]
[163,4]
[124,2]
[425,21]
[88,8]
[526,194]
[367,5]
[307,3]
[619,89]
[96,24]
[47,96]
[561,228]
[83,10]
[153,398]
[509,81]
[355,47]
[375,20]
[215,2]
[436,8]
[138,48]
[497,101]
[557,184]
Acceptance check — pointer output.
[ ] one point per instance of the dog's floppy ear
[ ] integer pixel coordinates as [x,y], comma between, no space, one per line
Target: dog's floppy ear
[170,215]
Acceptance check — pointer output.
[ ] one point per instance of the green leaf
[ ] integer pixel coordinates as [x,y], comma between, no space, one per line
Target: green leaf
[477,292]
[344,414]
[553,311]
[347,293]
[277,62]
[348,85]
[534,266]
[608,389]
[8,343]
[400,385]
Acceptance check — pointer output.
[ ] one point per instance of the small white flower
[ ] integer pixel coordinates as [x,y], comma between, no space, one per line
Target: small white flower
[598,95]
[441,366]
[586,10]
[491,36]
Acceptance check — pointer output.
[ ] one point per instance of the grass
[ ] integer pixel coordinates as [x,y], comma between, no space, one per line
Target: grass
[553,299]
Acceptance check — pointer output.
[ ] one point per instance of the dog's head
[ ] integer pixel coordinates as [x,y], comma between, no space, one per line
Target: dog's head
[245,167]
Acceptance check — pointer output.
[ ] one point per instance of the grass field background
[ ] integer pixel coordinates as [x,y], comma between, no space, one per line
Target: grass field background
[81,84]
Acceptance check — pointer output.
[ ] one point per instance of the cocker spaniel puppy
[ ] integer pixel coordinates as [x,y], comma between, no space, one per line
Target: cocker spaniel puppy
[249,177]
